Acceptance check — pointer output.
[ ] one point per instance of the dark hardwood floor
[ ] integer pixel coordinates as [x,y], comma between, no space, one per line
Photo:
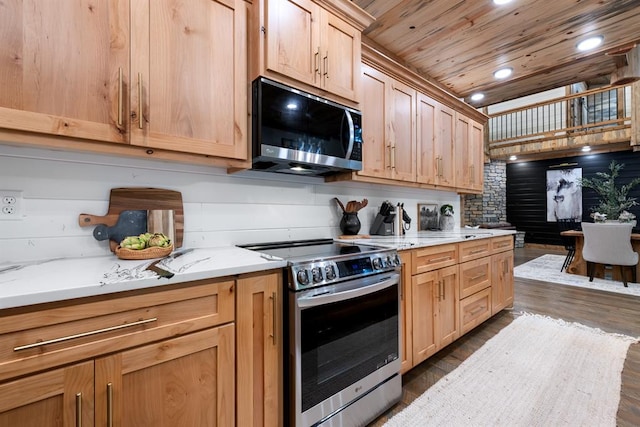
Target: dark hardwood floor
[608,311]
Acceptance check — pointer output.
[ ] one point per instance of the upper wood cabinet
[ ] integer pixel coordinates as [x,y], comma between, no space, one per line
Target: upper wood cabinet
[188,84]
[89,70]
[469,154]
[302,41]
[435,143]
[388,126]
[64,68]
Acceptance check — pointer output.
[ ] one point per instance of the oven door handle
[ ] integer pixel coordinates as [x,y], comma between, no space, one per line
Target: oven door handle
[329,297]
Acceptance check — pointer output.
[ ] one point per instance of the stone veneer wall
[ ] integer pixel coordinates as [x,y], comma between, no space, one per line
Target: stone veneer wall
[491,205]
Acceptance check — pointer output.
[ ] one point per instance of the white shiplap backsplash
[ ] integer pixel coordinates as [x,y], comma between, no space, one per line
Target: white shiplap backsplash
[220,209]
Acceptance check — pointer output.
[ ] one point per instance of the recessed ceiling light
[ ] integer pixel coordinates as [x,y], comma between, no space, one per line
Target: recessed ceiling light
[477,96]
[503,73]
[590,43]
[586,148]
[513,158]
[501,2]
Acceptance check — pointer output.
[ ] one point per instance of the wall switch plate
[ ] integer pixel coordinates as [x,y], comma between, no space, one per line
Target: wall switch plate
[11,205]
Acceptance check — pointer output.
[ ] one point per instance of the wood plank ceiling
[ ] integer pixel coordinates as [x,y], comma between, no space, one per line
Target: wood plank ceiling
[458,44]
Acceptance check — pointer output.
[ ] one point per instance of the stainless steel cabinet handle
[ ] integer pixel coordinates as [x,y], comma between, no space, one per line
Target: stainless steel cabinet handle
[120,97]
[84,334]
[79,409]
[140,101]
[110,405]
[442,258]
[274,320]
[326,65]
[317,61]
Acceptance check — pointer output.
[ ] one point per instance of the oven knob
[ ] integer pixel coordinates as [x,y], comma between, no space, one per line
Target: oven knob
[390,261]
[303,278]
[377,263]
[398,261]
[316,273]
[330,272]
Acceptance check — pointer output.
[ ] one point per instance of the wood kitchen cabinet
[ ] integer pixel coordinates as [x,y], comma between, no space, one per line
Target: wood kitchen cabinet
[435,143]
[91,70]
[64,68]
[502,284]
[406,313]
[259,355]
[435,311]
[57,398]
[388,128]
[187,85]
[145,357]
[304,41]
[469,136]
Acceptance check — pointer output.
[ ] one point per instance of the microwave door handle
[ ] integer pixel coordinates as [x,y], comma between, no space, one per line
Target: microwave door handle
[321,299]
[352,134]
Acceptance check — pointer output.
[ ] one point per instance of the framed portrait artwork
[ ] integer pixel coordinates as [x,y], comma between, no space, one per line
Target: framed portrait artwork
[427,216]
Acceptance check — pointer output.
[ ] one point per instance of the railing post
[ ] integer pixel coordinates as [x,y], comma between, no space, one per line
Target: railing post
[635,115]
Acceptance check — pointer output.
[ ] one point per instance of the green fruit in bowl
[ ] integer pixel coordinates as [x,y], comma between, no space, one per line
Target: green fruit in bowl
[159,240]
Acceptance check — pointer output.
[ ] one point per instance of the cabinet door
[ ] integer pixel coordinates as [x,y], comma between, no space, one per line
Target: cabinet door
[426,136]
[60,397]
[293,39]
[340,57]
[424,291]
[375,133]
[502,281]
[445,145]
[186,381]
[469,154]
[259,355]
[447,317]
[402,132]
[61,67]
[406,316]
[188,68]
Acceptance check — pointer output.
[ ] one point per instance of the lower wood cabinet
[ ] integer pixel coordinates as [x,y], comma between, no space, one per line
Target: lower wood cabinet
[188,362]
[501,281]
[259,355]
[447,290]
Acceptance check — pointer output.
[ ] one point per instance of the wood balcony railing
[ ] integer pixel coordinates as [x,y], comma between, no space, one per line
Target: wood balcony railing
[562,123]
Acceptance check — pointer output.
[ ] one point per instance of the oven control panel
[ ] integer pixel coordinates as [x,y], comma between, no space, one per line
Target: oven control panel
[319,273]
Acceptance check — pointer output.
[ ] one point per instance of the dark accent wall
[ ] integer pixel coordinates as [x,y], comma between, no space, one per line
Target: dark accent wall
[527,199]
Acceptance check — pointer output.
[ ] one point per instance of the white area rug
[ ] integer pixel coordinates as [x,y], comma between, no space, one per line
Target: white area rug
[537,371]
[547,269]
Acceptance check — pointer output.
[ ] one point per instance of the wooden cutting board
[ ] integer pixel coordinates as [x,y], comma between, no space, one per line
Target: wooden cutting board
[137,198]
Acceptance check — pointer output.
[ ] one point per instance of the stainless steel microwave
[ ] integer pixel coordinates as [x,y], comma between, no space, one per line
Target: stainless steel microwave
[299,133]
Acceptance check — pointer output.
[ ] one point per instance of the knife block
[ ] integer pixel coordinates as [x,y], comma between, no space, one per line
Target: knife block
[380,227]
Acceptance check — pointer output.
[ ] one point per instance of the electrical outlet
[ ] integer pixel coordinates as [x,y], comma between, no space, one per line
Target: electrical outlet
[11,205]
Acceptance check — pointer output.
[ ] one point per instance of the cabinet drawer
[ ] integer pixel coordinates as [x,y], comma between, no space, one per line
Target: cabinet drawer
[474,249]
[500,244]
[68,331]
[475,276]
[474,310]
[433,258]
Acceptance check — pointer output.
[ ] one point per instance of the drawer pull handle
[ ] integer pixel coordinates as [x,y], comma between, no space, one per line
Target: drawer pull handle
[79,409]
[477,251]
[442,258]
[477,276]
[84,334]
[476,310]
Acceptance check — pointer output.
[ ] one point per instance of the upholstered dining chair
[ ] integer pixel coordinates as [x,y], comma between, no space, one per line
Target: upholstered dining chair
[566,224]
[609,244]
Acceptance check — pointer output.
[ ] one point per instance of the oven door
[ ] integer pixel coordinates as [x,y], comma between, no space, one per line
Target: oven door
[344,342]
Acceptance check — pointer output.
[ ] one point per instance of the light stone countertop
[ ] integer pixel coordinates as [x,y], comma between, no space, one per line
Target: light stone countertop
[67,278]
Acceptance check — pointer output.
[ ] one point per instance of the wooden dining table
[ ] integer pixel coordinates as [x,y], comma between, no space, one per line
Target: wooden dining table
[579,265]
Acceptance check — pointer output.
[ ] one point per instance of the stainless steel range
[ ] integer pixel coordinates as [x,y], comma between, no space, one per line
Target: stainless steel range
[343,331]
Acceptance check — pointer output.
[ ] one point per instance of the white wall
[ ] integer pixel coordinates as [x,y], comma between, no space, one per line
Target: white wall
[220,209]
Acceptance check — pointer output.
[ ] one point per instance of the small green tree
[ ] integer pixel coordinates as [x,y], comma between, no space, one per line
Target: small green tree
[613,200]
